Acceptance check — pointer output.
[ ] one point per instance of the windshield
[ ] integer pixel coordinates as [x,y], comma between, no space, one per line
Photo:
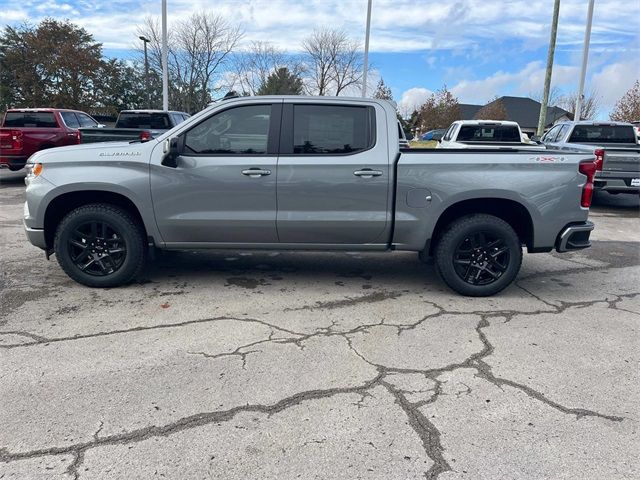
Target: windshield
[603,134]
[158,121]
[486,133]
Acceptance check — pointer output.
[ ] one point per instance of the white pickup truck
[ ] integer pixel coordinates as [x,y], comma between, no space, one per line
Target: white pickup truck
[485,134]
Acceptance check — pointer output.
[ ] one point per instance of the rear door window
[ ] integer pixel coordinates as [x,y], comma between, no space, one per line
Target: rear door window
[70,119]
[332,129]
[30,119]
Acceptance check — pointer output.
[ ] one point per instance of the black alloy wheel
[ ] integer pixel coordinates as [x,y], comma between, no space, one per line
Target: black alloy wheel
[481,258]
[478,255]
[97,248]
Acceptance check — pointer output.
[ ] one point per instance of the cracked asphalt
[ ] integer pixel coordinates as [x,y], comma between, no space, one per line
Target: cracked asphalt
[269,365]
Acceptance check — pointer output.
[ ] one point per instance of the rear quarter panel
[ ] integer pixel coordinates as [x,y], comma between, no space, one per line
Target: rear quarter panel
[547,184]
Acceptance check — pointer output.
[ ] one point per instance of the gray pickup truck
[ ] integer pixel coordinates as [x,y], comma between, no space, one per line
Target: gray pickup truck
[614,144]
[304,173]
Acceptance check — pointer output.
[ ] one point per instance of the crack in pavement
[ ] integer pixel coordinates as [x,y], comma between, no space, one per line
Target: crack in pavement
[186,423]
[44,340]
[426,431]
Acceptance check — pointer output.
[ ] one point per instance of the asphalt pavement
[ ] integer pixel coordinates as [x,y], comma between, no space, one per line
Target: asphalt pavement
[238,365]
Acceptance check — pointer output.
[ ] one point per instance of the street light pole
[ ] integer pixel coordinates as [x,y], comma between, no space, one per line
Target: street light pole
[366,51]
[585,57]
[165,66]
[145,40]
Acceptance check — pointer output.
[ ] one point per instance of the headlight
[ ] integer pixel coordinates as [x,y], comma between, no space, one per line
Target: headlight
[34,169]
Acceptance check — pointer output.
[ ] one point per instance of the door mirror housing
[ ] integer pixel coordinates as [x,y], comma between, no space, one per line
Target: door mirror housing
[535,138]
[171,150]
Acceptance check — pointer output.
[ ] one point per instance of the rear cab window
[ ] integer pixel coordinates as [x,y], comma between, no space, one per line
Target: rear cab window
[489,133]
[151,120]
[332,129]
[30,120]
[603,134]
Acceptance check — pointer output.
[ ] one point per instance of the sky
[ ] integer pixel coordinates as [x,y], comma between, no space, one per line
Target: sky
[479,48]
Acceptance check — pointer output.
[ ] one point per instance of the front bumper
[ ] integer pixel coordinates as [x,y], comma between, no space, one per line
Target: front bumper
[574,236]
[36,237]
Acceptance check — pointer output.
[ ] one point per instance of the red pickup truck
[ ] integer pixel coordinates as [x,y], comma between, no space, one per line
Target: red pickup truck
[24,131]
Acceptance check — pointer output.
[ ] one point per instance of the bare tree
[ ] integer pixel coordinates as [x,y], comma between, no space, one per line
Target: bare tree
[627,109]
[334,62]
[253,66]
[555,95]
[589,108]
[198,49]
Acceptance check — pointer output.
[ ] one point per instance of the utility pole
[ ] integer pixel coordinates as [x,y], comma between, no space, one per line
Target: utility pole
[366,51]
[547,78]
[585,55]
[145,40]
[165,59]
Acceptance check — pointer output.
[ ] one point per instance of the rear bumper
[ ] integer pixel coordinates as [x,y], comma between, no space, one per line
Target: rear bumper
[574,237]
[620,182]
[13,162]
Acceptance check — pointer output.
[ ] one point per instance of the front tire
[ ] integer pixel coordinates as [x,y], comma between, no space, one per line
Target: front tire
[478,255]
[100,245]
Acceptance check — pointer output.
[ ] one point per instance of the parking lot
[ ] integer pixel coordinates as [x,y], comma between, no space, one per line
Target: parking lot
[220,364]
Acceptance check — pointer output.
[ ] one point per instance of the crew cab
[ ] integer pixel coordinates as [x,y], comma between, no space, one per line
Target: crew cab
[135,125]
[485,134]
[304,173]
[614,144]
[27,130]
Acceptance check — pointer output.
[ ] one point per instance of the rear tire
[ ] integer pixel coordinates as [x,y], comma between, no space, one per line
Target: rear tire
[100,245]
[478,255]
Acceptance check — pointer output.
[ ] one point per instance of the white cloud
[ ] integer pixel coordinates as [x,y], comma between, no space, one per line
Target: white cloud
[613,81]
[412,99]
[524,82]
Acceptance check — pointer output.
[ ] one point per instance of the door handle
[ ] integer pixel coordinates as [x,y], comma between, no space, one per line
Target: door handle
[256,172]
[367,173]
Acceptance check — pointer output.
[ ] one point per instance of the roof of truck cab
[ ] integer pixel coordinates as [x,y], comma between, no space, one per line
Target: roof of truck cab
[488,122]
[600,123]
[153,111]
[46,109]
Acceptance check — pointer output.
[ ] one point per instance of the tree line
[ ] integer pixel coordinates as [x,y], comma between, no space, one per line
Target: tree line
[59,64]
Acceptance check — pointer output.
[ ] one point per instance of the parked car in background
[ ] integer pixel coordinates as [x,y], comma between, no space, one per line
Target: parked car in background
[135,125]
[305,173]
[614,145]
[432,135]
[485,134]
[25,131]
[636,126]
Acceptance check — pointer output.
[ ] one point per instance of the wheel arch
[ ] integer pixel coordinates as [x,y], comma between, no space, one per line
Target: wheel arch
[511,211]
[64,203]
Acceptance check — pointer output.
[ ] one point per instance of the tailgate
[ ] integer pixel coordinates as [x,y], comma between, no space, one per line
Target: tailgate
[621,160]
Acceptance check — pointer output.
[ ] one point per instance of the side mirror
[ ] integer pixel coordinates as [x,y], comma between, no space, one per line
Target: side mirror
[535,138]
[171,150]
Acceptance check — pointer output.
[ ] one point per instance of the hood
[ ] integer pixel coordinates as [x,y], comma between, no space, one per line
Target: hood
[95,151]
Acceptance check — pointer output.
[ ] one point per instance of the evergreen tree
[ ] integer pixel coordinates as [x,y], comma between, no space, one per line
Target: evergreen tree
[281,82]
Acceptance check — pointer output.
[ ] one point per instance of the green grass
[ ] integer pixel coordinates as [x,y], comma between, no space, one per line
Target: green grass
[421,144]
